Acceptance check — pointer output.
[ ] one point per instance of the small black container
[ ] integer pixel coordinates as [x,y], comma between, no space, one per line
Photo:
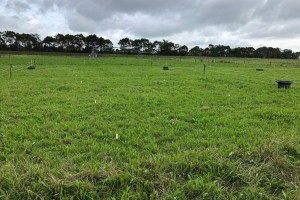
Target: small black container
[31,67]
[284,84]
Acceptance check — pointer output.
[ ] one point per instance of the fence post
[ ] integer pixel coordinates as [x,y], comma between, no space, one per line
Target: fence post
[10,71]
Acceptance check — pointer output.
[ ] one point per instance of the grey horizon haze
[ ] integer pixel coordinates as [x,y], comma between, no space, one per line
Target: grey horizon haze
[237,23]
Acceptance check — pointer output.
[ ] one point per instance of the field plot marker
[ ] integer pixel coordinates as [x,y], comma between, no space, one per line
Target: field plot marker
[10,71]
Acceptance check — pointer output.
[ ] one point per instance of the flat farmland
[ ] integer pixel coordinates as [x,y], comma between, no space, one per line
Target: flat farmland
[122,127]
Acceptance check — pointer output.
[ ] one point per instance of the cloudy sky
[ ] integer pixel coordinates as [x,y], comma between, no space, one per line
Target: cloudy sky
[256,23]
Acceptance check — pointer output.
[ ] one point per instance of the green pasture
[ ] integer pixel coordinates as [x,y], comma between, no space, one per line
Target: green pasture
[226,133]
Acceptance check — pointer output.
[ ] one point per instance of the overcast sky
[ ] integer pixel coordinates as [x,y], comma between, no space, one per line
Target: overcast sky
[255,23]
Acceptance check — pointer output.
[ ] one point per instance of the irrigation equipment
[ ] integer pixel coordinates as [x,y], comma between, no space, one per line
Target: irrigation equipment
[93,53]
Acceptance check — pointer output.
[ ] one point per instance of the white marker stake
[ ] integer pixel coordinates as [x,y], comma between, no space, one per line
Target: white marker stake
[117,136]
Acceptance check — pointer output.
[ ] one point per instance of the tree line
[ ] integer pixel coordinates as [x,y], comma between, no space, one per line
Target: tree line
[79,43]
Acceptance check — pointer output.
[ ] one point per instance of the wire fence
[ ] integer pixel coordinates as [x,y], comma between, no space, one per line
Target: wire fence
[78,67]
[8,72]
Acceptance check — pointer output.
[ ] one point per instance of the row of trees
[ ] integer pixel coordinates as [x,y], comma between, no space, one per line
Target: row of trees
[10,40]
[144,46]
[79,43]
[244,52]
[169,48]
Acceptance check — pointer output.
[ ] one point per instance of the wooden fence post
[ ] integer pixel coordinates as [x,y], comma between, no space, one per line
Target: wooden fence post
[10,71]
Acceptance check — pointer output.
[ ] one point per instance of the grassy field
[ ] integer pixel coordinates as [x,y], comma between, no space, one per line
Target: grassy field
[228,133]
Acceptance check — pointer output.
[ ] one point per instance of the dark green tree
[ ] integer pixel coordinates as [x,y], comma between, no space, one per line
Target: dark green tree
[183,50]
[91,42]
[125,45]
[196,51]
[10,39]
[49,43]
[287,53]
[166,48]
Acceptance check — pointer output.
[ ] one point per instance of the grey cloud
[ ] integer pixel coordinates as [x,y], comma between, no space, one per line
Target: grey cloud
[199,21]
[278,10]
[17,6]
[17,24]
[14,22]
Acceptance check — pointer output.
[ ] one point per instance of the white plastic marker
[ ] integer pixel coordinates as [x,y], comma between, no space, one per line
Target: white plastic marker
[117,136]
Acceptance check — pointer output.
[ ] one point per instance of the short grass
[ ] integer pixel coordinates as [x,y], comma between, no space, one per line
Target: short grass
[228,133]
